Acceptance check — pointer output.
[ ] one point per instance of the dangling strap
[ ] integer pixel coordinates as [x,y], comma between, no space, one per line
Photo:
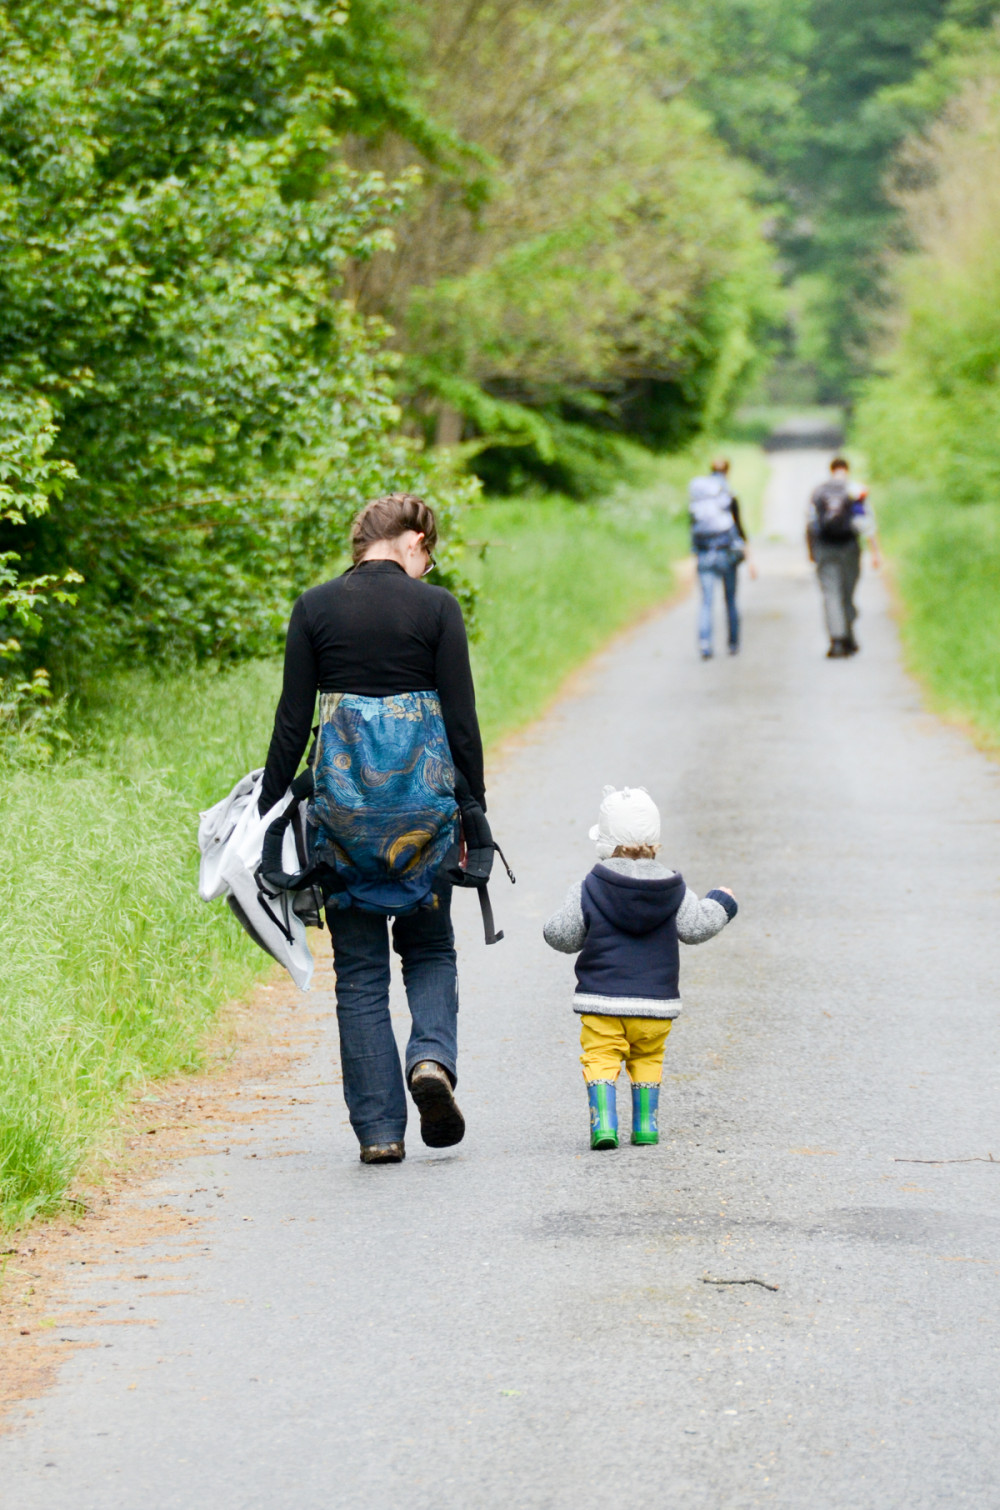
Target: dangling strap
[510,874]
[480,849]
[264,897]
[486,908]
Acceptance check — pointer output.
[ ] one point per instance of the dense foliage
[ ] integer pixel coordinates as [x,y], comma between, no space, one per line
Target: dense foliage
[821,94]
[935,411]
[610,275]
[177,368]
[198,383]
[930,422]
[851,123]
[256,259]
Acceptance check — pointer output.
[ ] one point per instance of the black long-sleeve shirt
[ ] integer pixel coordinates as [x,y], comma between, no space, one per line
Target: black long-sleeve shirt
[374,632]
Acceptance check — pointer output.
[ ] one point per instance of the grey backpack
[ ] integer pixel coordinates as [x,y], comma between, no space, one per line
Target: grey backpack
[710,505]
[834,508]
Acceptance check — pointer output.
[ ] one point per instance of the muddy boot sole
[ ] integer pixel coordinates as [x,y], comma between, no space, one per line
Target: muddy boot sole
[441,1123]
[382,1153]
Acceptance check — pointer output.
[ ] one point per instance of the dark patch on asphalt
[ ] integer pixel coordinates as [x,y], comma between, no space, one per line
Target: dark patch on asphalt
[867,1224]
[904,1224]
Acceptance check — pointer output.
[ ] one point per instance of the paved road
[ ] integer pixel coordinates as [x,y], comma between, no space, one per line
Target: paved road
[524,1323]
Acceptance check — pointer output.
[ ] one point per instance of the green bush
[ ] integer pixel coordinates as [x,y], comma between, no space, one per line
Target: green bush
[173,328]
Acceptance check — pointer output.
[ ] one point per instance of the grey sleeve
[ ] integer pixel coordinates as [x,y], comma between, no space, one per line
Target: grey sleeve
[565,929]
[699,920]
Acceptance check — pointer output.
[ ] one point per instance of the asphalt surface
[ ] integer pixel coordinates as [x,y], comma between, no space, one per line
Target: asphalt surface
[521,1322]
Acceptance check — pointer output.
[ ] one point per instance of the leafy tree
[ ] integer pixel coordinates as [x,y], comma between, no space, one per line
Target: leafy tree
[612,279]
[934,411]
[821,94]
[745,61]
[865,78]
[852,128]
[175,218]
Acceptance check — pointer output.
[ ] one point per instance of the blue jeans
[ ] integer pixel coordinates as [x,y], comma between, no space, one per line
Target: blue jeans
[714,565]
[373,1080]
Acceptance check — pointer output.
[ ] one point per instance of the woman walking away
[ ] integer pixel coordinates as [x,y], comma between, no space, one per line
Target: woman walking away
[720,544]
[388,655]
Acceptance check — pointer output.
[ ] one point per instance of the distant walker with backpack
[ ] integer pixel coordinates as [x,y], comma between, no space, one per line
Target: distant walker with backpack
[833,505]
[839,518]
[720,544]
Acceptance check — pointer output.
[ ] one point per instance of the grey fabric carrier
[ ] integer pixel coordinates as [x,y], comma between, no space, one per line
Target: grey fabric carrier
[710,505]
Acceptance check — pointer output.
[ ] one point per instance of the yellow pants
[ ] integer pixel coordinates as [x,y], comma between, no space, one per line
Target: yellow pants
[606,1041]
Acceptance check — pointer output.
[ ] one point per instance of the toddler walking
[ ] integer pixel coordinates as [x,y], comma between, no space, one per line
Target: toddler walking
[625,919]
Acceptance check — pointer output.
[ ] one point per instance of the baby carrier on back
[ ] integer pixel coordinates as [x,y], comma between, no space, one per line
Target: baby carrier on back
[379,819]
[389,822]
[710,505]
[383,810]
[315,883]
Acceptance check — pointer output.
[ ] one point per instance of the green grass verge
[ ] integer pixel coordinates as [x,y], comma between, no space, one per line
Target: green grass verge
[113,969]
[946,562]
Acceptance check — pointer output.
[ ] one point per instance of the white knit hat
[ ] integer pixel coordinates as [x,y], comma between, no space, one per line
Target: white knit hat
[626,817]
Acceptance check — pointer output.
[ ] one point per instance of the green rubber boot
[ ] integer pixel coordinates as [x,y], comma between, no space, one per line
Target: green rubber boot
[603,1114]
[645,1105]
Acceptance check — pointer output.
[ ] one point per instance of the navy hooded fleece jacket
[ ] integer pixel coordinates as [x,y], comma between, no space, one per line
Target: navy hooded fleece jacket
[625,920]
[631,947]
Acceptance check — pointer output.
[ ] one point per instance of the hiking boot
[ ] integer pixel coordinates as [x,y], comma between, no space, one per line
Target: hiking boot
[852,645]
[441,1122]
[383,1153]
[838,649]
[706,655]
[645,1105]
[603,1114]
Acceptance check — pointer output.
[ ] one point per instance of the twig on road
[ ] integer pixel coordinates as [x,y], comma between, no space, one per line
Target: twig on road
[976,1158]
[762,1282]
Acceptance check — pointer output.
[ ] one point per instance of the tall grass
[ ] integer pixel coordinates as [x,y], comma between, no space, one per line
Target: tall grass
[947,562]
[112,969]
